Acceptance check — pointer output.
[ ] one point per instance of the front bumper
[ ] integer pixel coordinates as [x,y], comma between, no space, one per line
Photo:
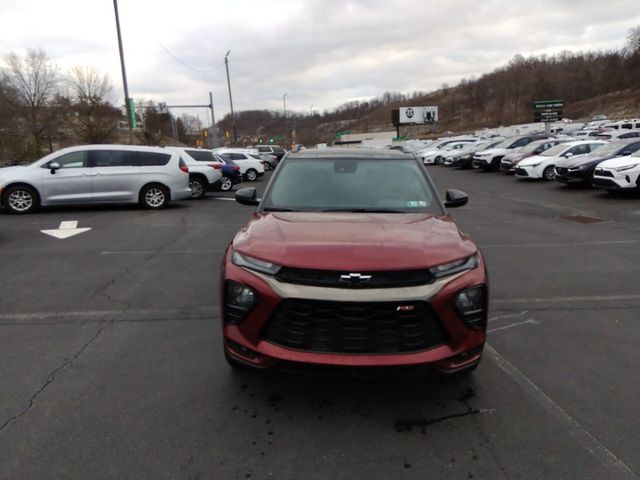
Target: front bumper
[247,341]
[528,172]
[612,180]
[565,175]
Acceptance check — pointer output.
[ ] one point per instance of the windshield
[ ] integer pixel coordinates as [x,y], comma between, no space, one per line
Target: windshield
[531,147]
[504,143]
[362,185]
[609,149]
[555,151]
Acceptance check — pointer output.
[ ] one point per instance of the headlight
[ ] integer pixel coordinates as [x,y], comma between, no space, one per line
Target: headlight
[471,306]
[624,168]
[254,264]
[452,268]
[530,165]
[239,300]
[575,169]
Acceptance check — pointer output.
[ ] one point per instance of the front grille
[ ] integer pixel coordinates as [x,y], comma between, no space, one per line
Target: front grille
[331,278]
[605,183]
[354,327]
[603,173]
[521,172]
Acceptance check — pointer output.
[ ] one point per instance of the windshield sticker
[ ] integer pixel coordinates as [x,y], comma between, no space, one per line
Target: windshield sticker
[415,203]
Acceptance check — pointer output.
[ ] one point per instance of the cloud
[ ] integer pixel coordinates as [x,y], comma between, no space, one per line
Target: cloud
[319,52]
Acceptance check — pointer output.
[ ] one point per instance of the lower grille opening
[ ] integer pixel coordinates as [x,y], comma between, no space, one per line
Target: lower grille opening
[354,327]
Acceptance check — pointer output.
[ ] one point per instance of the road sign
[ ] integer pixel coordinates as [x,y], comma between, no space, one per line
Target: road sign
[547,110]
[162,107]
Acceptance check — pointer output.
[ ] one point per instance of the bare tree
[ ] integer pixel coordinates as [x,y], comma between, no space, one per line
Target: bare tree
[633,41]
[33,79]
[96,118]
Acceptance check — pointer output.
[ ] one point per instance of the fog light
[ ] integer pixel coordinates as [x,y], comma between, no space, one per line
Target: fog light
[239,300]
[471,306]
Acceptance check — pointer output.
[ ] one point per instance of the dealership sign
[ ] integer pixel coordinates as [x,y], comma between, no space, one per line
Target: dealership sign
[547,110]
[414,115]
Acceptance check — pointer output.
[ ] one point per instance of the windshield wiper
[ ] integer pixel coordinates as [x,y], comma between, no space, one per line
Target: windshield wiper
[363,210]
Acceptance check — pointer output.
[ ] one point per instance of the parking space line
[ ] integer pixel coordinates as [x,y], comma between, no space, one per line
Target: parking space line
[559,245]
[115,314]
[529,321]
[159,252]
[607,458]
[591,298]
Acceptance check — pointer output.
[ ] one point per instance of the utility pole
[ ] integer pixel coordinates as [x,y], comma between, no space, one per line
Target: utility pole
[127,102]
[233,117]
[284,104]
[214,133]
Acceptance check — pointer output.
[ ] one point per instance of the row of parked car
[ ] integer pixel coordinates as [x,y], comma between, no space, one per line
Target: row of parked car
[150,176]
[608,159]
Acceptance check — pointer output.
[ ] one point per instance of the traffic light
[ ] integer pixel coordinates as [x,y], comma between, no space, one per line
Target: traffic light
[271,140]
[260,140]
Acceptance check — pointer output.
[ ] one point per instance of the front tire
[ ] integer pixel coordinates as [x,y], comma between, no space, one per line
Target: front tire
[548,174]
[197,187]
[20,199]
[154,197]
[252,175]
[226,184]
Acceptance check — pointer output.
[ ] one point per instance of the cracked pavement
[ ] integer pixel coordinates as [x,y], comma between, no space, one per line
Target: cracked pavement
[111,363]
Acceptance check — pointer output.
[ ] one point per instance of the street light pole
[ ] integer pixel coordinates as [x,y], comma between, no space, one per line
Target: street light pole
[127,102]
[284,104]
[311,110]
[233,117]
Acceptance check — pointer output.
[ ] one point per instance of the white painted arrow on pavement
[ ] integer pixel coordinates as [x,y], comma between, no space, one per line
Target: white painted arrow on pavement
[66,230]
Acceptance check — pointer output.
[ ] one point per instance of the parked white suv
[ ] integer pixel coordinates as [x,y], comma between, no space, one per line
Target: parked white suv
[543,165]
[151,176]
[620,173]
[250,166]
[203,177]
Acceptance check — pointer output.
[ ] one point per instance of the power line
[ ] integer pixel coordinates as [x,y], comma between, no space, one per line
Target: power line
[186,65]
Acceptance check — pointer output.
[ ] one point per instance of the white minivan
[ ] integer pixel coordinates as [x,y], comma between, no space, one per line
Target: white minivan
[91,174]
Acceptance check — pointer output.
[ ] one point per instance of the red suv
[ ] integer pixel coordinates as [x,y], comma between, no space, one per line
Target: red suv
[351,260]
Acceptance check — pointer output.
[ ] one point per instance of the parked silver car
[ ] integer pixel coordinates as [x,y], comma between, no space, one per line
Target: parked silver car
[151,176]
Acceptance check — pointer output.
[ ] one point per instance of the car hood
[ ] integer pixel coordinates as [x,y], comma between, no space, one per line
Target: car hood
[619,162]
[492,151]
[10,173]
[581,160]
[533,159]
[516,156]
[353,241]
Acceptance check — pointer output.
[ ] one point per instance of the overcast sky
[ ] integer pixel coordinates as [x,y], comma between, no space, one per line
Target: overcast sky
[321,53]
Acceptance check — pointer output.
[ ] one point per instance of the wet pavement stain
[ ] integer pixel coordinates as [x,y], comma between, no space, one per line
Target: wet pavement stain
[407,425]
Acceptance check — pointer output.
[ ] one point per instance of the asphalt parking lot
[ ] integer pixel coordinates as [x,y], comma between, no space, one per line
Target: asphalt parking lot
[111,363]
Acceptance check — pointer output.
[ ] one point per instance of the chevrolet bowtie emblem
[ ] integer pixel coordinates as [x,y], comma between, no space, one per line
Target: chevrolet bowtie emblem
[354,279]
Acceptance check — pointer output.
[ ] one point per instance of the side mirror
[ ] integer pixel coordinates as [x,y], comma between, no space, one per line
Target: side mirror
[53,166]
[568,154]
[247,196]
[455,198]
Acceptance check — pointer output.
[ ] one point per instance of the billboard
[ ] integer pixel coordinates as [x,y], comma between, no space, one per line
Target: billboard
[417,115]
